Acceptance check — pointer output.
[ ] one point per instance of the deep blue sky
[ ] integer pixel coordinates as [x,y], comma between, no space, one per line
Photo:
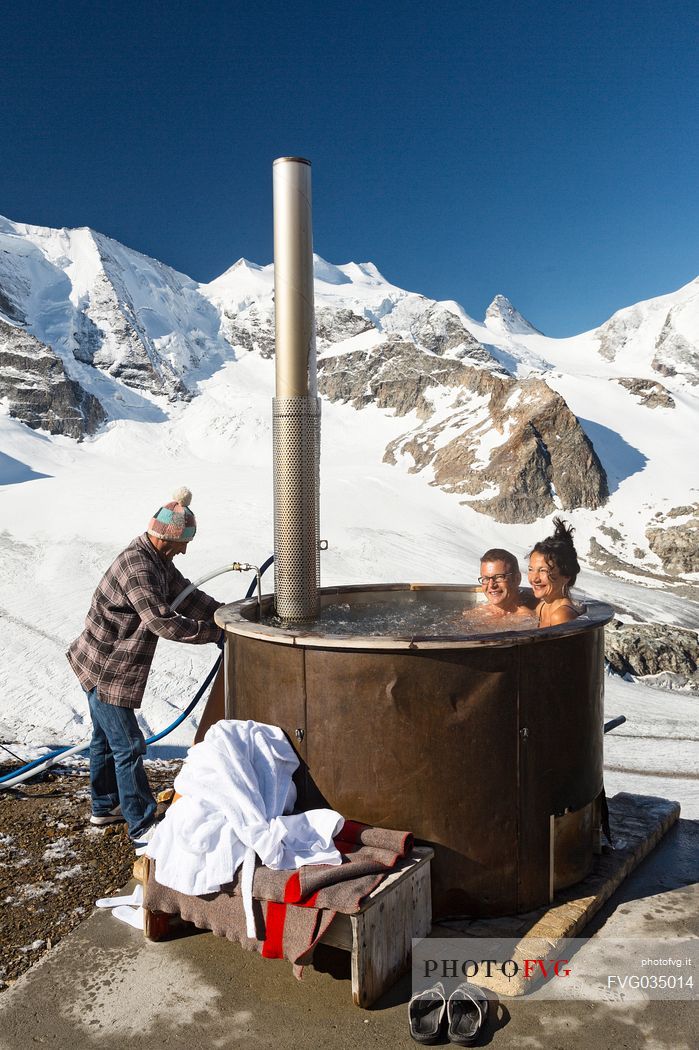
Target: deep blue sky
[545,150]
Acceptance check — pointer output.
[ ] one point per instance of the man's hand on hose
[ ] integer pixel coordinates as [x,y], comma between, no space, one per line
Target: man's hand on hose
[221,640]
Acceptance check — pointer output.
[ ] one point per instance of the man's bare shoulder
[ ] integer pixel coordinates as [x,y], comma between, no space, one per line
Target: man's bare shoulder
[527,602]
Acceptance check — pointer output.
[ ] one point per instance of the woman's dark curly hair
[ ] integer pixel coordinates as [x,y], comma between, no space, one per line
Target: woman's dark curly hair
[559,550]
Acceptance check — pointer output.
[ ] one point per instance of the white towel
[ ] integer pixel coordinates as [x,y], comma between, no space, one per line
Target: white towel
[236,786]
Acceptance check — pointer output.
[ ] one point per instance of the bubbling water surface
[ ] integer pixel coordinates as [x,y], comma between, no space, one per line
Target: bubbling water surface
[411,616]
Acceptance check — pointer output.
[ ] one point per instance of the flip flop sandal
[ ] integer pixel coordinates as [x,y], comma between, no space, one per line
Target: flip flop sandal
[467,1010]
[114,902]
[131,916]
[426,1015]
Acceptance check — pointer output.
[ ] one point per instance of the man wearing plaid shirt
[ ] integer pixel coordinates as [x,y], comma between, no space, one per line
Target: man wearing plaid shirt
[130,610]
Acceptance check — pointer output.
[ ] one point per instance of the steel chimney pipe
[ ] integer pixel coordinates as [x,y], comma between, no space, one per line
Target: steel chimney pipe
[296,407]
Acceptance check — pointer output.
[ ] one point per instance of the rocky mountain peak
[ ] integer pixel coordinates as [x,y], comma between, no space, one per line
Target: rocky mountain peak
[501,316]
[242,264]
[512,448]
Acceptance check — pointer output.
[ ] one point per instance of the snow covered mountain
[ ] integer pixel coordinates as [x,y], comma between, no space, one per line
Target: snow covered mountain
[90,301]
[515,424]
[103,317]
[501,316]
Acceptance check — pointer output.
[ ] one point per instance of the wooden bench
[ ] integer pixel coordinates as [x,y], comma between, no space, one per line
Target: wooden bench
[379,936]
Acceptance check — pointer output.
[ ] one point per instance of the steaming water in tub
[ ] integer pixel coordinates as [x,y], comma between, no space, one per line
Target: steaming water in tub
[412,613]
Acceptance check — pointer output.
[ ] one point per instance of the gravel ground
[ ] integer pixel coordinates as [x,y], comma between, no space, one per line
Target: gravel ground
[53,864]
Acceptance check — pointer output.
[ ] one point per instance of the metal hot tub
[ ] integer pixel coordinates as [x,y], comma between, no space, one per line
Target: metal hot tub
[488,747]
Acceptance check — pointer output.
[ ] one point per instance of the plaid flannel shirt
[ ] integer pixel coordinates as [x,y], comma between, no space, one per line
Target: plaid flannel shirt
[130,609]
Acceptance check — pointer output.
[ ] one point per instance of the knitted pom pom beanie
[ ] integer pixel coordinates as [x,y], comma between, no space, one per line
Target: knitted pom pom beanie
[175,521]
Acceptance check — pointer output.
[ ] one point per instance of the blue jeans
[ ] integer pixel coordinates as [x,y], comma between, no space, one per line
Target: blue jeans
[117,774]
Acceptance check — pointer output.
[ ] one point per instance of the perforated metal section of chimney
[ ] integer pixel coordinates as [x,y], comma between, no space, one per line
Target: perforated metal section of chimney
[296,407]
[296,486]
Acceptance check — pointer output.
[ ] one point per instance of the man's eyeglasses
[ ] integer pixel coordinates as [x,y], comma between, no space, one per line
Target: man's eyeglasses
[498,578]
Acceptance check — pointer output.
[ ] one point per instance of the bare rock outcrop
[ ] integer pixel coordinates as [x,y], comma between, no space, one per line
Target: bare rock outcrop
[607,561]
[512,445]
[618,564]
[333,326]
[395,374]
[621,328]
[649,392]
[252,329]
[10,308]
[38,391]
[674,353]
[440,331]
[547,450]
[677,546]
[643,649]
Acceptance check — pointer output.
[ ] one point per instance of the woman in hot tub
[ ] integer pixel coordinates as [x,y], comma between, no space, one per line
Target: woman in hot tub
[553,569]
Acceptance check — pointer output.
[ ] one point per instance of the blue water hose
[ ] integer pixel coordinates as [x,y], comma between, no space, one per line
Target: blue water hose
[191,705]
[36,762]
[158,736]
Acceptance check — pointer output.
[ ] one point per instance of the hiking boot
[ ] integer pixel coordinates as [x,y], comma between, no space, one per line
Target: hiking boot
[101,820]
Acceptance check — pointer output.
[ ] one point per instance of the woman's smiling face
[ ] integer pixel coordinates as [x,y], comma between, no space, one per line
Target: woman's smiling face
[546,580]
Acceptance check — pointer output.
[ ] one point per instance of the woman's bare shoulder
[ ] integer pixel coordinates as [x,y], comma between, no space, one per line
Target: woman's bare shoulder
[563,611]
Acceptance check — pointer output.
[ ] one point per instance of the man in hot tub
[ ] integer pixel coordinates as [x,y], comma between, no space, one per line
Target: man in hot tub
[500,579]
